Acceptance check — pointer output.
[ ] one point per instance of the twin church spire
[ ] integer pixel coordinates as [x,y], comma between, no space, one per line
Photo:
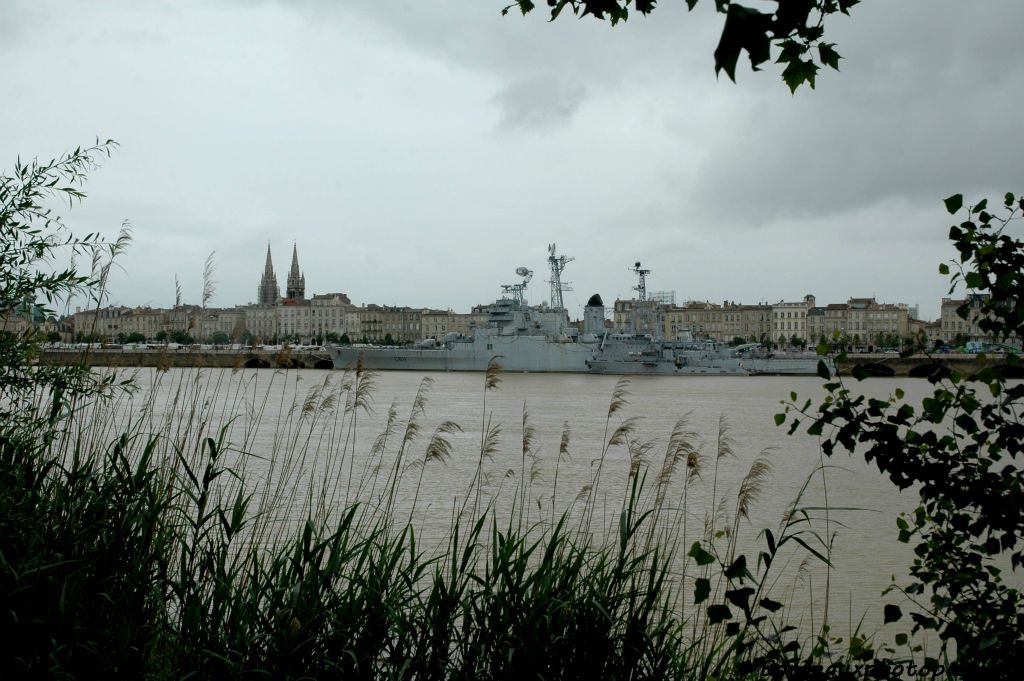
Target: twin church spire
[269,293]
[296,280]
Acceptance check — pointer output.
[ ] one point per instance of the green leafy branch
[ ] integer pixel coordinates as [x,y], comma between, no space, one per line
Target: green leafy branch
[961,450]
[795,30]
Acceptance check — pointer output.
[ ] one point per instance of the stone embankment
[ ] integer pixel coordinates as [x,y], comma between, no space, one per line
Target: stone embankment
[874,364]
[923,365]
[188,357]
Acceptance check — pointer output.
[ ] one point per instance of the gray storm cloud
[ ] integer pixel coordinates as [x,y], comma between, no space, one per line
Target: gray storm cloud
[539,102]
[397,142]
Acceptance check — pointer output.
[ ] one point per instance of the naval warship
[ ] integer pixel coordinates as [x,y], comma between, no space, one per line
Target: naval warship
[525,338]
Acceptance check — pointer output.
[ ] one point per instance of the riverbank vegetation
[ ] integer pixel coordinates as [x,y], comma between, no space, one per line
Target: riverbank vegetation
[146,540]
[157,541]
[961,450]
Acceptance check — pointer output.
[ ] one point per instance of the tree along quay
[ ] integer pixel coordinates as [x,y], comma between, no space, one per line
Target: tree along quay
[922,366]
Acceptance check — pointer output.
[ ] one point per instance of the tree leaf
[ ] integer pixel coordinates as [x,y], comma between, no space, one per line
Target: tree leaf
[701,590]
[791,17]
[738,569]
[798,72]
[718,613]
[740,597]
[954,203]
[828,55]
[744,29]
[699,555]
[892,613]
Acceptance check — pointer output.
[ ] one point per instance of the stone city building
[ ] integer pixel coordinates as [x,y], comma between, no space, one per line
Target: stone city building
[860,320]
[790,319]
[953,327]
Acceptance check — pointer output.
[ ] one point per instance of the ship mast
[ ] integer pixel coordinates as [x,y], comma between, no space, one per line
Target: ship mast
[641,288]
[645,314]
[557,265]
[517,290]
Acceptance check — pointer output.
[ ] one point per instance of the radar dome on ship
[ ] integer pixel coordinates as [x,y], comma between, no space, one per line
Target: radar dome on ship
[595,301]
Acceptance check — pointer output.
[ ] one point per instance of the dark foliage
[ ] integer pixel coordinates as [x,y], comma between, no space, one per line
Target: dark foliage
[961,449]
[794,30]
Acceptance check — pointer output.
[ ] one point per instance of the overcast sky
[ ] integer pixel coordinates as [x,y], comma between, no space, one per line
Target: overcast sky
[418,152]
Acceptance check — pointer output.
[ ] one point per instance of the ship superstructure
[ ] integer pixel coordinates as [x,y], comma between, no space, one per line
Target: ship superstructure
[521,337]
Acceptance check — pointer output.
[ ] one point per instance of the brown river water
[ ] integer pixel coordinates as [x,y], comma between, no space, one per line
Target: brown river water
[285,437]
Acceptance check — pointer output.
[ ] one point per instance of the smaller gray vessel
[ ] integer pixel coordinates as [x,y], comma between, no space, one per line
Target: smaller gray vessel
[643,350]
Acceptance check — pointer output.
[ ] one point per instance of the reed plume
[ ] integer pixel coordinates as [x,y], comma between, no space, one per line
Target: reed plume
[751,488]
[377,450]
[529,433]
[439,449]
[488,432]
[412,429]
[492,376]
[681,448]
[563,454]
[209,285]
[618,401]
[723,449]
[620,395]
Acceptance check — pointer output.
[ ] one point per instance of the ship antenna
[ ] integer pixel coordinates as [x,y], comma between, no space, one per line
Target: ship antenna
[557,265]
[641,287]
[646,315]
[517,290]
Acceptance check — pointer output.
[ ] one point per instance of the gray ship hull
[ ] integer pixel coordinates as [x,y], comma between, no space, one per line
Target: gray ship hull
[513,353]
[785,366]
[538,355]
[663,368]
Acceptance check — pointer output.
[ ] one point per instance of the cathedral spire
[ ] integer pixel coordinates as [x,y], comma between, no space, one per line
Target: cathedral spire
[295,261]
[296,280]
[268,292]
[268,269]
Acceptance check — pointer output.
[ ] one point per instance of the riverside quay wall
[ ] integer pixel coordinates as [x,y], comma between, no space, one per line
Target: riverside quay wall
[873,364]
[189,357]
[925,365]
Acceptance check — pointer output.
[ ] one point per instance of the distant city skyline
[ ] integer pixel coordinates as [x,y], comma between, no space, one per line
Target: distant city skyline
[270,289]
[419,154]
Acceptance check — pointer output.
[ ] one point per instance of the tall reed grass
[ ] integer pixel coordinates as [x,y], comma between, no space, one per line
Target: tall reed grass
[148,536]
